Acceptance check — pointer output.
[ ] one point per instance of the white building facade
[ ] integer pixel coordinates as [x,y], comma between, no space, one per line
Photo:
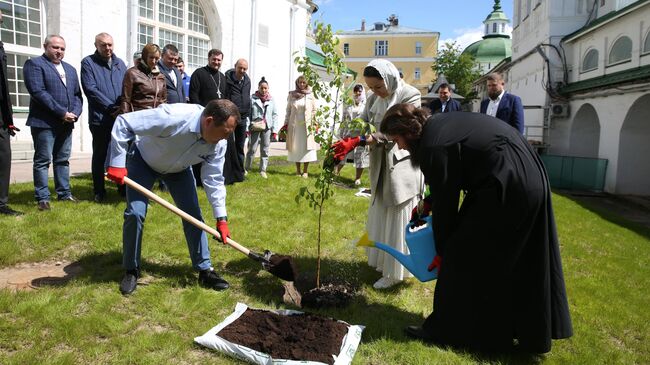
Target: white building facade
[582,69]
[268,33]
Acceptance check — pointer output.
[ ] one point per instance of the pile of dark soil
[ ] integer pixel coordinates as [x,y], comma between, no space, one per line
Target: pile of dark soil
[333,292]
[328,296]
[295,337]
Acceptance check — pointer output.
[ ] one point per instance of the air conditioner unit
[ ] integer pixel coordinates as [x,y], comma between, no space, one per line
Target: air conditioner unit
[560,110]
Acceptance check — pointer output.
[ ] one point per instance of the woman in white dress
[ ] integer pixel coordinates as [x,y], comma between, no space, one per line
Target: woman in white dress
[361,154]
[301,110]
[396,186]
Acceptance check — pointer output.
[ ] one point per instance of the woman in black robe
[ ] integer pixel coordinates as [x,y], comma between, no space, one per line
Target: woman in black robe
[500,284]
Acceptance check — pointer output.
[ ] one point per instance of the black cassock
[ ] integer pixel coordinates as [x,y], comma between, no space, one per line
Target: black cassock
[501,274]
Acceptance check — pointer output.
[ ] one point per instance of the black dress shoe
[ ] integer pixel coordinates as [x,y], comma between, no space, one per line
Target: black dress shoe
[211,280]
[99,198]
[69,198]
[417,333]
[44,205]
[8,211]
[129,282]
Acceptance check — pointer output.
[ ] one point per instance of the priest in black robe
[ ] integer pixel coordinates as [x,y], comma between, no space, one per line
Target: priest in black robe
[500,284]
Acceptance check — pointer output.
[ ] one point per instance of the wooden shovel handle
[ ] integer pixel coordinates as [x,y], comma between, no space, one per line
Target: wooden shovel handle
[182,214]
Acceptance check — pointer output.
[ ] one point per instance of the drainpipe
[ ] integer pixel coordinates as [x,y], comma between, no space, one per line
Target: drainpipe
[292,43]
[253,42]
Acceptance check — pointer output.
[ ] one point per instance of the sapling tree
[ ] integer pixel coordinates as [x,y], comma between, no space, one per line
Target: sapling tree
[332,95]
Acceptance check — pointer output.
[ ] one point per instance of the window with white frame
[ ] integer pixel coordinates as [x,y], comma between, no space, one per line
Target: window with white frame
[621,51]
[590,61]
[416,73]
[22,34]
[381,48]
[418,48]
[346,49]
[178,22]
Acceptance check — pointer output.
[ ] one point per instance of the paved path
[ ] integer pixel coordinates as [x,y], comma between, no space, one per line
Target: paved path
[21,170]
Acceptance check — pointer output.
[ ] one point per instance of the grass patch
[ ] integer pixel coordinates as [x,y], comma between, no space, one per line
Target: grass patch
[606,265]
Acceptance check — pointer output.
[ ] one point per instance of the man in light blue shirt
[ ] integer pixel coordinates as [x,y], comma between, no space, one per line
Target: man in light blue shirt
[165,143]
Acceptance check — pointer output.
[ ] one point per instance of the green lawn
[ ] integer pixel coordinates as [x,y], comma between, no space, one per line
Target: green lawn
[606,266]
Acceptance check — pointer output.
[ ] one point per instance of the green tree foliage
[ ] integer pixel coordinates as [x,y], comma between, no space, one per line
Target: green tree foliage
[333,95]
[459,69]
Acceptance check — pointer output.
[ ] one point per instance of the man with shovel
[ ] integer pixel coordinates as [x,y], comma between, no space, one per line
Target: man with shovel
[165,143]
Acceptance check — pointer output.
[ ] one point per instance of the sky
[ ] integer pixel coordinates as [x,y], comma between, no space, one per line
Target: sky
[455,20]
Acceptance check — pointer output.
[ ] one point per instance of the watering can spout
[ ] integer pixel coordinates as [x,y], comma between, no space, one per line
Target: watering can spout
[405,260]
[422,251]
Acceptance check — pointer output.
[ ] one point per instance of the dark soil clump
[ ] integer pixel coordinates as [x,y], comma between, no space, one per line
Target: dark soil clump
[330,295]
[295,337]
[333,293]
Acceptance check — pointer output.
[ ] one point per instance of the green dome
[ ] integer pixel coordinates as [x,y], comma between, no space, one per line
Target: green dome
[497,13]
[490,49]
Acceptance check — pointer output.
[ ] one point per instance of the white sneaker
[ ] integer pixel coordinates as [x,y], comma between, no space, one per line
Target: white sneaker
[385,283]
[245,172]
[305,175]
[357,182]
[263,174]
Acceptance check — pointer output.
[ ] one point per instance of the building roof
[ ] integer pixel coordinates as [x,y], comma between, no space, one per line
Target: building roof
[604,19]
[490,48]
[497,13]
[626,76]
[316,58]
[389,29]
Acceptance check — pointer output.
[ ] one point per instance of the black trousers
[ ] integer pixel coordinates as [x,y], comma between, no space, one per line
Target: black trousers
[101,140]
[5,165]
[240,139]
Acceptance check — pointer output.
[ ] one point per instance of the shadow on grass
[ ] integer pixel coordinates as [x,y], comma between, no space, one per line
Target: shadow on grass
[612,208]
[106,267]
[382,320]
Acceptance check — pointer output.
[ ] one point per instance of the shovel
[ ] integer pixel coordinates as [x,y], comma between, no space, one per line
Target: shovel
[279,265]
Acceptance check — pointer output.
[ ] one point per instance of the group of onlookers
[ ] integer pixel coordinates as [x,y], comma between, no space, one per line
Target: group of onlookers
[144,129]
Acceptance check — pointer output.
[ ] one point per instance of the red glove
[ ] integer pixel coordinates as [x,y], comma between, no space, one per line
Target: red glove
[437,261]
[343,147]
[116,174]
[423,209]
[13,130]
[222,228]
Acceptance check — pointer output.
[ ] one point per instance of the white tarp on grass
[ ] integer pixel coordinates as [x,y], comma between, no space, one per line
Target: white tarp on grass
[212,341]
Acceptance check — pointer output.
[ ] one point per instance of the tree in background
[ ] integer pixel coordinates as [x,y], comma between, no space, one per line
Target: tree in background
[459,69]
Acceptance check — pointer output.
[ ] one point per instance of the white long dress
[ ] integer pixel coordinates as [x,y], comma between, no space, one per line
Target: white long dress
[390,179]
[298,151]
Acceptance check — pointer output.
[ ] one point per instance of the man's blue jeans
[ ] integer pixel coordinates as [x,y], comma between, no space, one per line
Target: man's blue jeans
[182,188]
[52,145]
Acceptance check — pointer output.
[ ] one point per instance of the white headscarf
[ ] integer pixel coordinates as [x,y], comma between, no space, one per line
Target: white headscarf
[394,84]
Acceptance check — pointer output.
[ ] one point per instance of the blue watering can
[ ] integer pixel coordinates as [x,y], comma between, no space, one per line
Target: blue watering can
[422,251]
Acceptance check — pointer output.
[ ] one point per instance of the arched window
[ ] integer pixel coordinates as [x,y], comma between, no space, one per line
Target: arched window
[621,50]
[646,44]
[22,35]
[590,60]
[494,27]
[179,22]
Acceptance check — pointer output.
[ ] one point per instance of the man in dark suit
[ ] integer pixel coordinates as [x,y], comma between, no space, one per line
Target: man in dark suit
[7,129]
[503,105]
[102,74]
[54,107]
[444,103]
[173,79]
